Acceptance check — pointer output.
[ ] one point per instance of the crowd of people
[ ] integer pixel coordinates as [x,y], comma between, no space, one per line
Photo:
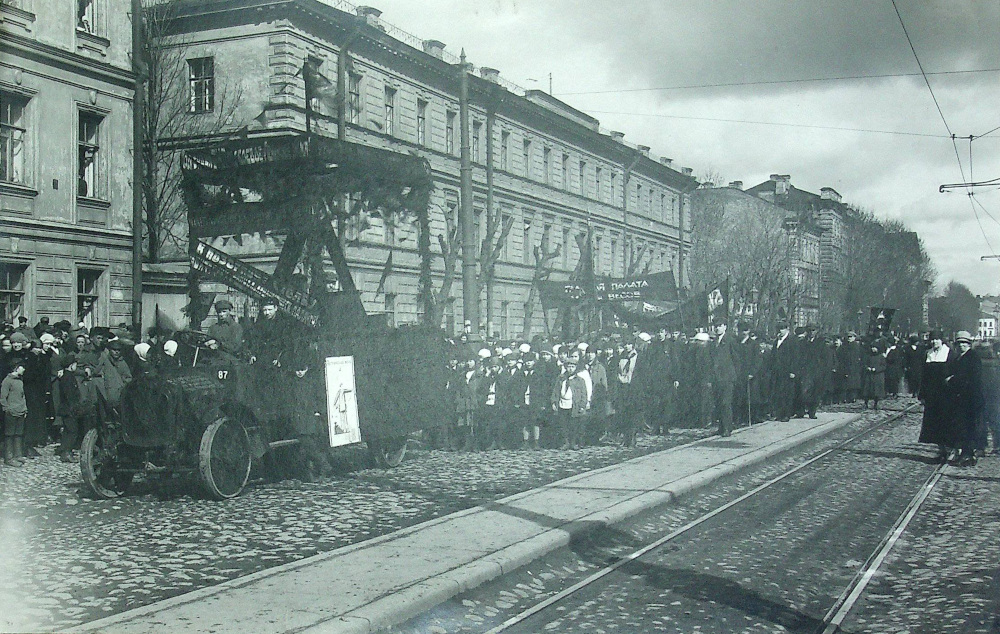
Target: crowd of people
[59,380]
[611,386]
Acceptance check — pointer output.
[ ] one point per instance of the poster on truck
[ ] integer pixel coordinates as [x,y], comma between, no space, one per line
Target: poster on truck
[342,402]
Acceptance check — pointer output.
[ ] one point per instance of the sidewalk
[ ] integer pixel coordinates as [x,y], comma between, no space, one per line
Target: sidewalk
[384,581]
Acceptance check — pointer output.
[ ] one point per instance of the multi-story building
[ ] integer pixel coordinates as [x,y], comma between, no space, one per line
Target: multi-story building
[987,326]
[826,211]
[66,90]
[760,223]
[556,172]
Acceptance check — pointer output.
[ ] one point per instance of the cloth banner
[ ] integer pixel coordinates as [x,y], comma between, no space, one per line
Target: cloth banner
[879,320]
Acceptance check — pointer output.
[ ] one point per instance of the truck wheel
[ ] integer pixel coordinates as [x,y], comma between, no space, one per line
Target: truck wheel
[388,452]
[224,459]
[99,467]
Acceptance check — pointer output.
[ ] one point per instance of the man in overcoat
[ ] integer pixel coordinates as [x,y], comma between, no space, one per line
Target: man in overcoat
[782,366]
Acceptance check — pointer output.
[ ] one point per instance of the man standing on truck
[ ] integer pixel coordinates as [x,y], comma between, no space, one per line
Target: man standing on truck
[227,331]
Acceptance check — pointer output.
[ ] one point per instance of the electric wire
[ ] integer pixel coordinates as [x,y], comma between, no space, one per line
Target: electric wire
[944,120]
[773,82]
[773,123]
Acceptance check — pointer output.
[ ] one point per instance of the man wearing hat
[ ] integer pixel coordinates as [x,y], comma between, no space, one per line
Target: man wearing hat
[965,384]
[227,331]
[724,361]
[782,365]
[850,365]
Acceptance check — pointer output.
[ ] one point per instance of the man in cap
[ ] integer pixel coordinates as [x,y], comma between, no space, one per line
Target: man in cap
[227,331]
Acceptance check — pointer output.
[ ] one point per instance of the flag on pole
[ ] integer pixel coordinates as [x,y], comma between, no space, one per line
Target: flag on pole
[879,320]
[386,271]
[318,86]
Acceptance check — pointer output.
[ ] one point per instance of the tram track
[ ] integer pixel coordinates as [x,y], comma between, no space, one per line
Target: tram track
[841,608]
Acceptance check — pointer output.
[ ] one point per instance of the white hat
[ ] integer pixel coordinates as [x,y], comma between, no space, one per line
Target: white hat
[485,353]
[170,347]
[582,346]
[645,336]
[142,350]
[47,338]
[702,336]
[524,348]
[556,348]
[506,352]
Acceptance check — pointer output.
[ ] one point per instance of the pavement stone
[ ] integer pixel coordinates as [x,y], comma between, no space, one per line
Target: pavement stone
[66,559]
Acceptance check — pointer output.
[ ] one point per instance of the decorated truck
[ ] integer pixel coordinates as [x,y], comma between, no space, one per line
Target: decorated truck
[213,415]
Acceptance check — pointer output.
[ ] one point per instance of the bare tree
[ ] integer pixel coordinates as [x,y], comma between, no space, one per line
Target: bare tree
[174,110]
[544,258]
[750,247]
[450,246]
[498,226]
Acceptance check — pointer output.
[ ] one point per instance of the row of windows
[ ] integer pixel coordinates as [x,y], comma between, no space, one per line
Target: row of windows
[14,137]
[90,298]
[576,175]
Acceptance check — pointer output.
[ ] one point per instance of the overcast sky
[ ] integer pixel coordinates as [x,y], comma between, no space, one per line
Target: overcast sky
[632,64]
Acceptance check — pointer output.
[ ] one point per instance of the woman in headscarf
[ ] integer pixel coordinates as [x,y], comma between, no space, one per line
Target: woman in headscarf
[937,427]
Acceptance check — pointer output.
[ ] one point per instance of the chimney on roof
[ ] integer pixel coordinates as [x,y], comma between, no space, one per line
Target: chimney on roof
[643,149]
[617,136]
[687,171]
[736,184]
[370,15]
[490,74]
[434,48]
[666,161]
[829,193]
[781,183]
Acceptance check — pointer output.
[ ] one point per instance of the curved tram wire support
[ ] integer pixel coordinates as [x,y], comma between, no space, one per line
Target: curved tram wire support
[843,604]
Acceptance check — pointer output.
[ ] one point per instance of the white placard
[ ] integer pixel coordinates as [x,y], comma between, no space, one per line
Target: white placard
[342,402]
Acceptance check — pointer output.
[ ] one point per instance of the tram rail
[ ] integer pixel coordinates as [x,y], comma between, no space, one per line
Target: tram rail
[841,608]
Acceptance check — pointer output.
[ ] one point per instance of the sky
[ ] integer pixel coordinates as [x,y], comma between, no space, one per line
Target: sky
[653,68]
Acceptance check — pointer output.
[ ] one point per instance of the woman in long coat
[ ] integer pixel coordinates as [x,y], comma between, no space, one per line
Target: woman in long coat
[895,360]
[873,379]
[965,385]
[937,427]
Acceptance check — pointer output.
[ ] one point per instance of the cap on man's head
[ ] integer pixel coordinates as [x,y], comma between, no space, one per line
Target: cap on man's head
[702,336]
[963,336]
[223,304]
[115,344]
[18,337]
[268,301]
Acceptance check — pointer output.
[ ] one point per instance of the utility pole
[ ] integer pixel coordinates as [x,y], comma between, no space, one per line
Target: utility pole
[138,110]
[470,282]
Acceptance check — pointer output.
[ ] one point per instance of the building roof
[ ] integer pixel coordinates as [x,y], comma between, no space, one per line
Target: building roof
[795,198]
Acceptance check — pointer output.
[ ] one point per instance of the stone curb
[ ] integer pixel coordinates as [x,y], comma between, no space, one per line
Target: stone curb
[425,594]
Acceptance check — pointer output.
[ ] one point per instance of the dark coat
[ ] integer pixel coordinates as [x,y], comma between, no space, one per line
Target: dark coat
[965,387]
[849,363]
[724,360]
[936,427]
[873,383]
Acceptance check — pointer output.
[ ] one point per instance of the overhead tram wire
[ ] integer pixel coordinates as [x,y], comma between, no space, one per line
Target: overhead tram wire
[772,123]
[944,120]
[773,82]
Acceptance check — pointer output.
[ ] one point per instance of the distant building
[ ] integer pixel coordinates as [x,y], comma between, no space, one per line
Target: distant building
[66,89]
[726,206]
[987,326]
[557,173]
[826,211]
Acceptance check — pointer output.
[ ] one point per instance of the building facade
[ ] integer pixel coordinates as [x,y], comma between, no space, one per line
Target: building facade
[746,228]
[556,174]
[826,212]
[66,90]
[987,326]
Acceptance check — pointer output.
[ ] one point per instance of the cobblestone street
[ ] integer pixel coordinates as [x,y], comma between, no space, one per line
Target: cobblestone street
[67,559]
[783,573]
